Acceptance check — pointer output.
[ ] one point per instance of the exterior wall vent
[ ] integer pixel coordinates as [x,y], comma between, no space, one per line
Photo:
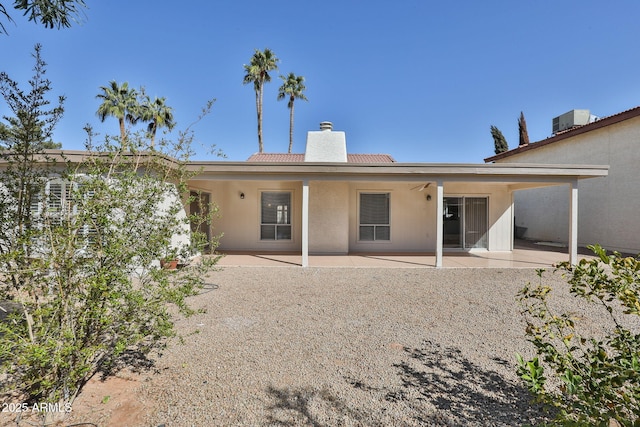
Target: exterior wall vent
[571,119]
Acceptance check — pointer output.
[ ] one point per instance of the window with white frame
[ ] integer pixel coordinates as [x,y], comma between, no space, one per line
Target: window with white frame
[57,204]
[53,202]
[275,217]
[374,217]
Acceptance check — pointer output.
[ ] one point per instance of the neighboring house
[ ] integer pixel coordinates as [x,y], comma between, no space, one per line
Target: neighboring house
[608,206]
[327,201]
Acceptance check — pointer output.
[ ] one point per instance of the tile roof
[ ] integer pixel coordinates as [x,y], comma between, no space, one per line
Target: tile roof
[276,157]
[370,158]
[298,158]
[598,124]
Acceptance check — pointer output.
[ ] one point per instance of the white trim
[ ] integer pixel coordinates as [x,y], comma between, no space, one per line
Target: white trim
[439,221]
[573,222]
[305,223]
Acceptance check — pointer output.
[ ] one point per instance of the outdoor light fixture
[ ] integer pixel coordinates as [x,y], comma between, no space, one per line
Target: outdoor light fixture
[242,195]
[428,197]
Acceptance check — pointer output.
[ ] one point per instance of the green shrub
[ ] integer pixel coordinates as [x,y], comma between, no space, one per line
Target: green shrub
[588,380]
[81,236]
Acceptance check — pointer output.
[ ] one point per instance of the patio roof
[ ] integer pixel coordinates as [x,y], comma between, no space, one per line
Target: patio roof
[520,173]
[515,175]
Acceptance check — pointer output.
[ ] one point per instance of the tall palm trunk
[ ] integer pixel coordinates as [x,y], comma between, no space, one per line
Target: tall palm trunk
[153,136]
[291,100]
[259,109]
[123,134]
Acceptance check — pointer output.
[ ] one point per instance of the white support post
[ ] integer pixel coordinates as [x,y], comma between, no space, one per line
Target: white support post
[305,223]
[439,222]
[573,223]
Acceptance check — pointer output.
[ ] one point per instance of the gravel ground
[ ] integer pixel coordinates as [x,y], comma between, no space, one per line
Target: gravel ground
[349,347]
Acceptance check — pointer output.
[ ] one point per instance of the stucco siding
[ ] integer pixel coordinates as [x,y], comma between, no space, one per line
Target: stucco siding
[333,215]
[239,219]
[328,217]
[412,218]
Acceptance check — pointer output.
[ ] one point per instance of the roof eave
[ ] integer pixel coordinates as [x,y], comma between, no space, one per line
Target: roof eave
[396,170]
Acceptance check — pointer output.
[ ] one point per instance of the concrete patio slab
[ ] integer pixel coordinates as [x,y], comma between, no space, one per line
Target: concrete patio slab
[524,256]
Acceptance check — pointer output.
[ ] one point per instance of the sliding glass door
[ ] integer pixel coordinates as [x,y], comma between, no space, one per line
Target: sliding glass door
[465,222]
[199,206]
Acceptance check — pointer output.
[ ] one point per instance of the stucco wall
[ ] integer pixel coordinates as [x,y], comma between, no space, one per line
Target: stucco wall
[328,217]
[333,215]
[240,218]
[607,207]
[412,218]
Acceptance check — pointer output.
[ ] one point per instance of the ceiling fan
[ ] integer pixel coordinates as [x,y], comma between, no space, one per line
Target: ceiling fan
[421,186]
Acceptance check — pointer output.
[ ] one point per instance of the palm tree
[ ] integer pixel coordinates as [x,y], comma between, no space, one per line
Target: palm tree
[158,114]
[120,102]
[257,72]
[293,87]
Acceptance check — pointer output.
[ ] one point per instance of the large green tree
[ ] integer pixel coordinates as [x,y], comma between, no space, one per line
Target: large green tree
[257,72]
[30,128]
[50,13]
[292,88]
[121,102]
[158,114]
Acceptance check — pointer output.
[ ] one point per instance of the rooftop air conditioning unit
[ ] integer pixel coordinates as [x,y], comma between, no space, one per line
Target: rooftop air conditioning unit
[571,119]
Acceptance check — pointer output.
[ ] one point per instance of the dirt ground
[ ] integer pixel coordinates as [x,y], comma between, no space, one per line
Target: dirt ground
[113,402]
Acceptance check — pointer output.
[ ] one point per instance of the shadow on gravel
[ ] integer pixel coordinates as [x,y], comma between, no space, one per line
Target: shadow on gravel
[436,386]
[461,391]
[311,408]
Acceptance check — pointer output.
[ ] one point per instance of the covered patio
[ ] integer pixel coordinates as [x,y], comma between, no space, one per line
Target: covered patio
[524,255]
[322,229]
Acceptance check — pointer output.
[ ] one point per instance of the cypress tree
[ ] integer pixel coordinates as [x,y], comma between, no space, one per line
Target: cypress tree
[522,129]
[499,140]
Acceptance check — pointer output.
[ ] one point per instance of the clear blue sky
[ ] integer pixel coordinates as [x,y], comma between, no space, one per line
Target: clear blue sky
[421,80]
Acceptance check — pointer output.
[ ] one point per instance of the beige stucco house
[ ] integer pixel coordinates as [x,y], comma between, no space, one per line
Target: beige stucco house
[327,201]
[608,207]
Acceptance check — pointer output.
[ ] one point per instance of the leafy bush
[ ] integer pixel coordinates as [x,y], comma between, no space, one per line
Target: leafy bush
[85,270]
[81,236]
[589,380]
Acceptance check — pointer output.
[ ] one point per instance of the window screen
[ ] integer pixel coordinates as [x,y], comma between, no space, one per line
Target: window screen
[374,216]
[275,222]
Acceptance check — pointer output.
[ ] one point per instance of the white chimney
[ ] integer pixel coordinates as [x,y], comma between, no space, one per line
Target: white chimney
[326,145]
